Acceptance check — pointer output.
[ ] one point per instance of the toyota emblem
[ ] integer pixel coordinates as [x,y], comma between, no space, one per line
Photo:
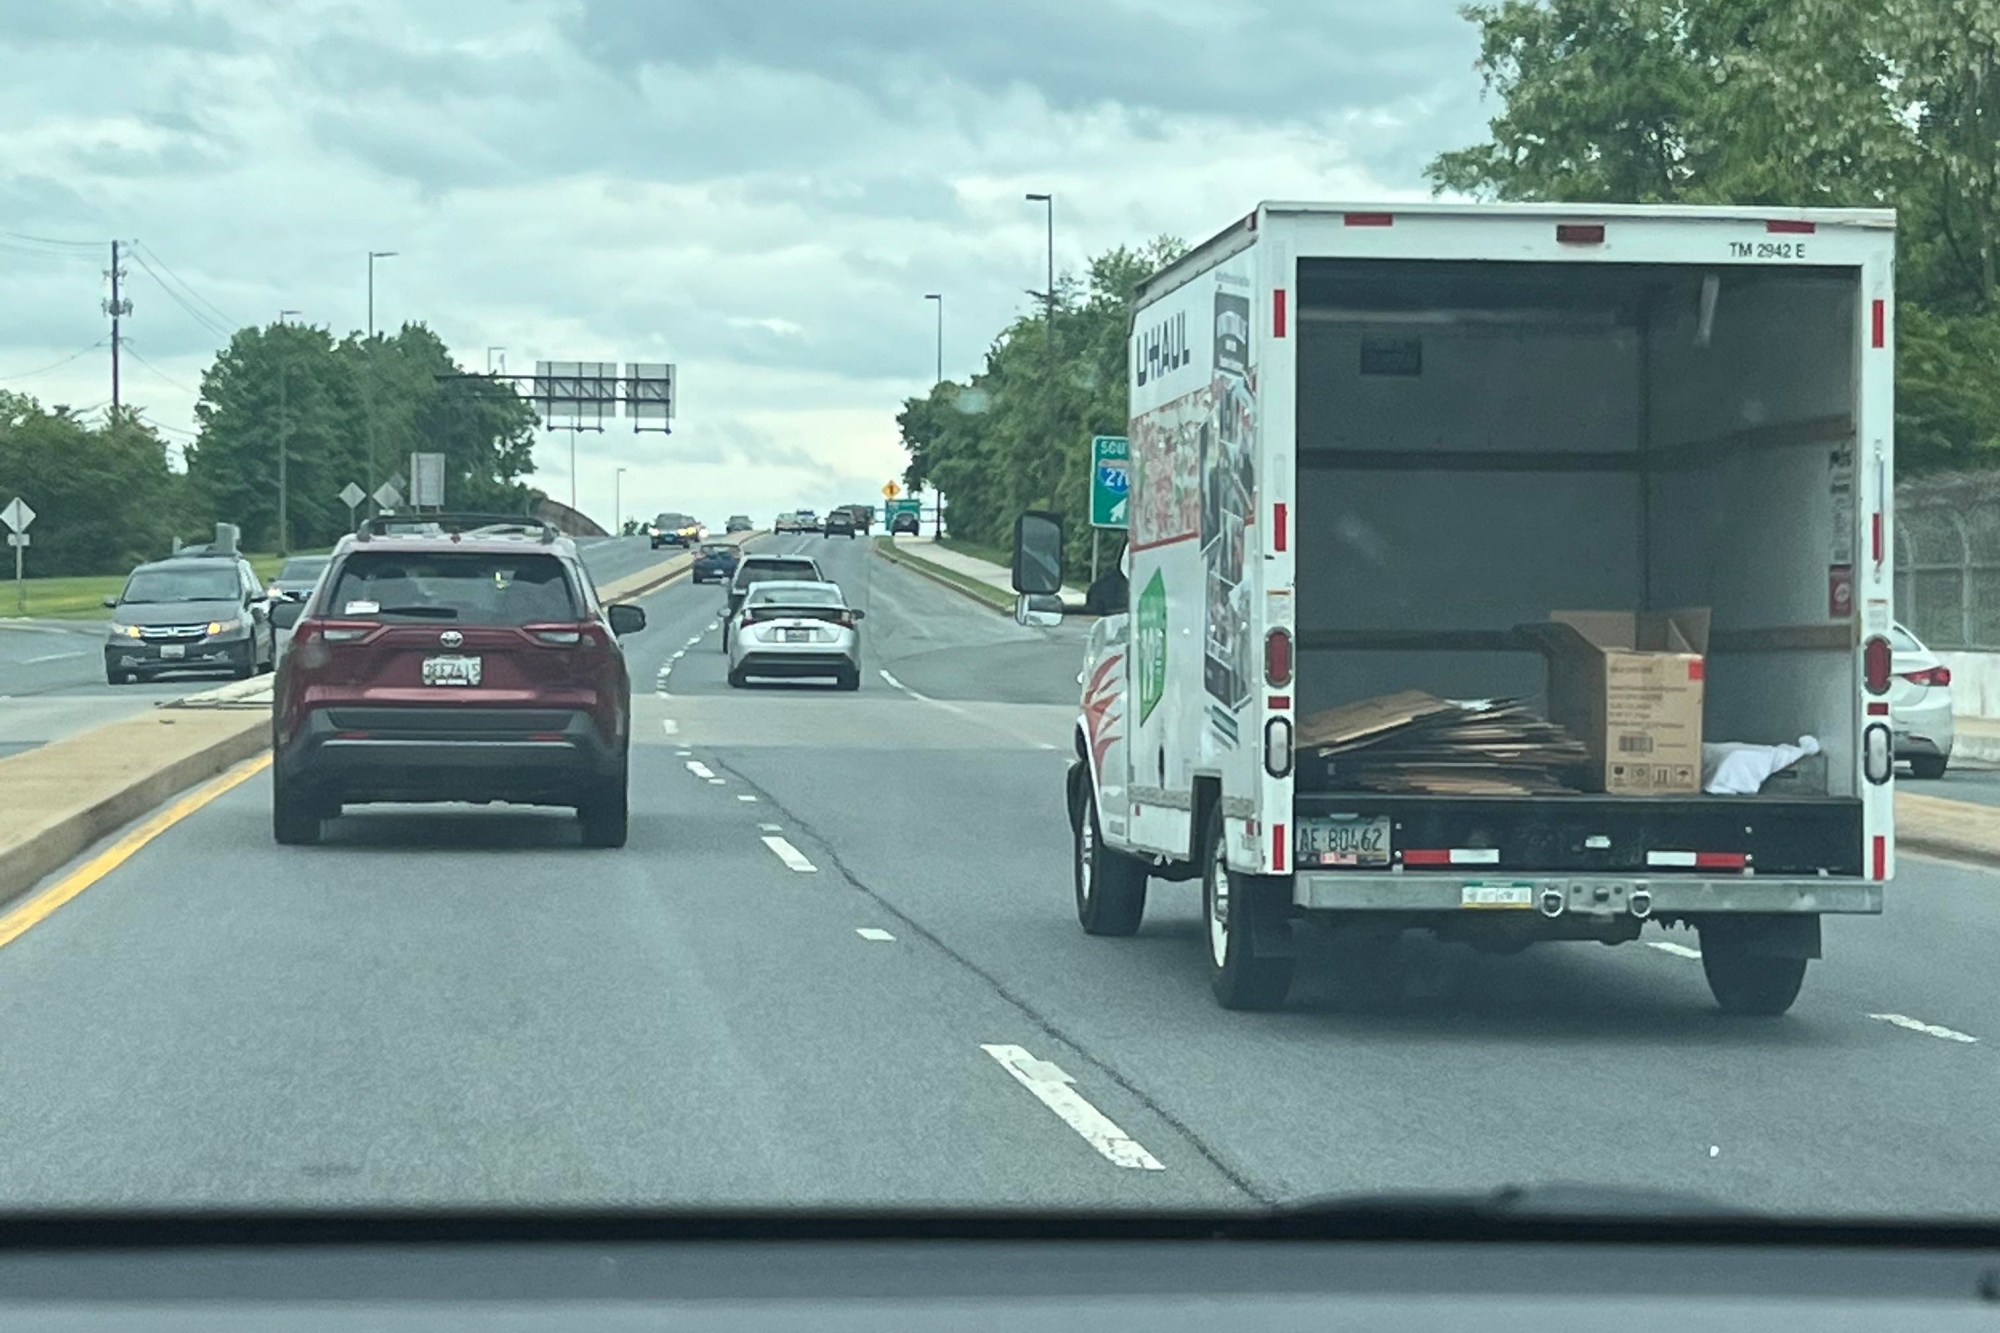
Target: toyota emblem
[451,638]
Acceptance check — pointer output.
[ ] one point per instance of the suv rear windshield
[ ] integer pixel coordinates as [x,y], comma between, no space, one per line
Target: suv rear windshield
[468,587]
[766,570]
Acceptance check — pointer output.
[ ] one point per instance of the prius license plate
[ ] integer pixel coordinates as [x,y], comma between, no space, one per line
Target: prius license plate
[1343,840]
[451,671]
[173,650]
[798,636]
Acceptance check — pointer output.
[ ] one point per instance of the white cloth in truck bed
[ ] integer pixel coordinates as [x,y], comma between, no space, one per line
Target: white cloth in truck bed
[1738,768]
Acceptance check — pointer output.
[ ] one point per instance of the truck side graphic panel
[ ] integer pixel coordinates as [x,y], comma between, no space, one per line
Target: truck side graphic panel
[1228,503]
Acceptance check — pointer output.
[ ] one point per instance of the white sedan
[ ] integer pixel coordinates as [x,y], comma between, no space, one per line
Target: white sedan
[794,629]
[1920,705]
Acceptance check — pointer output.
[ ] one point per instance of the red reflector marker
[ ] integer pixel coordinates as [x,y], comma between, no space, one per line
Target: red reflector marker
[1369,219]
[350,735]
[1878,710]
[1278,312]
[1881,857]
[1784,227]
[1875,534]
[1721,860]
[1429,856]
[1278,847]
[1879,318]
[1278,532]
[1278,701]
[1580,233]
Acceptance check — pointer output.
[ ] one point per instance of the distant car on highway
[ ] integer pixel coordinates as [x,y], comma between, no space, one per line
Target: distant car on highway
[296,577]
[864,516]
[840,523]
[754,568]
[467,667]
[738,523]
[805,520]
[1920,705]
[796,629]
[671,529]
[716,562]
[785,522]
[904,522]
[189,612]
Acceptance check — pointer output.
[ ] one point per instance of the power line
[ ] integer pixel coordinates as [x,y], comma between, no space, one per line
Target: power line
[171,430]
[157,371]
[207,323]
[54,365]
[88,246]
[229,321]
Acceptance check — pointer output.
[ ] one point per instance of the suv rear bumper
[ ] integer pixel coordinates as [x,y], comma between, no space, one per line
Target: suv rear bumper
[533,756]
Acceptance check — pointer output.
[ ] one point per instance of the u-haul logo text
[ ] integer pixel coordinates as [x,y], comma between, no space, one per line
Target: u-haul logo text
[1162,349]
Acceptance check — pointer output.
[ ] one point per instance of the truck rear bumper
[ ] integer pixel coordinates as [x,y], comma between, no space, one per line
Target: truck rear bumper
[1592,895]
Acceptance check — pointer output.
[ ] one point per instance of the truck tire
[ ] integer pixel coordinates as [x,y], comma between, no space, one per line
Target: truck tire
[1746,983]
[1110,887]
[1244,914]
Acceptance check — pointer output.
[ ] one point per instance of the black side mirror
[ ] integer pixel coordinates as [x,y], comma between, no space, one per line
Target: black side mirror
[626,618]
[1038,552]
[858,613]
[286,614]
[111,602]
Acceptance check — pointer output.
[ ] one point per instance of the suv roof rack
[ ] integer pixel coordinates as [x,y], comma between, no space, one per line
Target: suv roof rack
[455,525]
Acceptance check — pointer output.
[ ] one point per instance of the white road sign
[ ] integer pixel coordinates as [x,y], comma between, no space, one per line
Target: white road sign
[17,516]
[352,495]
[388,496]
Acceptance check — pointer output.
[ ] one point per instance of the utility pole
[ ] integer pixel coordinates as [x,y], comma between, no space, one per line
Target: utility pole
[1049,201]
[618,503]
[115,307]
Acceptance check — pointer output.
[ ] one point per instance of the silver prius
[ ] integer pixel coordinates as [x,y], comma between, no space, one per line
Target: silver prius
[792,628]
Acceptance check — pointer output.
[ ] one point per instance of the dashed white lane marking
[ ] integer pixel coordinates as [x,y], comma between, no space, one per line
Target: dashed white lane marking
[874,935]
[716,782]
[1928,1029]
[672,727]
[49,657]
[771,828]
[695,640]
[679,653]
[682,754]
[1052,1087]
[1046,746]
[699,769]
[745,796]
[1677,950]
[790,855]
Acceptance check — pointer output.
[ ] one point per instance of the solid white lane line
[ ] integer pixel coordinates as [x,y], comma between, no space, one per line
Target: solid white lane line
[1677,950]
[49,657]
[899,685]
[672,727]
[874,936]
[1928,1029]
[790,855]
[699,769]
[745,796]
[1051,1087]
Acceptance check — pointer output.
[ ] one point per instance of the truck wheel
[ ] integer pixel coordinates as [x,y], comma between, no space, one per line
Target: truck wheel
[296,814]
[1110,887]
[1245,914]
[606,813]
[1759,985]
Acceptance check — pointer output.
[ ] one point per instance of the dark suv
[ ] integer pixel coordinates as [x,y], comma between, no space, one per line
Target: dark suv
[468,666]
[763,568]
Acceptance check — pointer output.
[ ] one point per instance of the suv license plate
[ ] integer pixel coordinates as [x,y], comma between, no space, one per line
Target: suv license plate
[451,671]
[1343,840]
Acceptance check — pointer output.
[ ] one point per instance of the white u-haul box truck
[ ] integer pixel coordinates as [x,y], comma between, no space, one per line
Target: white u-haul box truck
[1370,445]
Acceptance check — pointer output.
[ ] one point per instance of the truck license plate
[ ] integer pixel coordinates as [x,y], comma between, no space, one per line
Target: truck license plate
[451,671]
[1343,840]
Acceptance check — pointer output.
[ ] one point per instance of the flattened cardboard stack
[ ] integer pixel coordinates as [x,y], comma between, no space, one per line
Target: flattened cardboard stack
[1418,743]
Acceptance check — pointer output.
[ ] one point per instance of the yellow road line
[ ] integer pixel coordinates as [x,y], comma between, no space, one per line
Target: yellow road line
[18,922]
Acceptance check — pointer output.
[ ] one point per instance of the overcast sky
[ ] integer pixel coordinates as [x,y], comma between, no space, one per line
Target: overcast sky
[760,191]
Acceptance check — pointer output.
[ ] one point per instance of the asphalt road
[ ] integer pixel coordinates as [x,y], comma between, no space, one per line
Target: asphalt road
[457,1005]
[52,671]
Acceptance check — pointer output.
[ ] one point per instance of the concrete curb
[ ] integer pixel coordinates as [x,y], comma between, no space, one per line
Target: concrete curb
[1957,829]
[26,863]
[938,575]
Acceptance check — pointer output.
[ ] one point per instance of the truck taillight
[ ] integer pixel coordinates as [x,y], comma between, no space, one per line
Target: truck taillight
[1875,659]
[1580,233]
[1278,746]
[1937,675]
[1278,657]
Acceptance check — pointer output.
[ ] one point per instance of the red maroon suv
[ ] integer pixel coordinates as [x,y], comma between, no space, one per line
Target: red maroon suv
[470,664]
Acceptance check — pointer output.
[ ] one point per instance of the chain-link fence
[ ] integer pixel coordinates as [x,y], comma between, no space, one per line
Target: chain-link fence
[1948,560]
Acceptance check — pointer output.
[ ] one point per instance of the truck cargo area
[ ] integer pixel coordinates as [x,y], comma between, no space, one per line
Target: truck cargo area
[1483,444]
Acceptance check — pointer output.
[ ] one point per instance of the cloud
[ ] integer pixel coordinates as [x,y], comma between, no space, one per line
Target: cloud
[759,193]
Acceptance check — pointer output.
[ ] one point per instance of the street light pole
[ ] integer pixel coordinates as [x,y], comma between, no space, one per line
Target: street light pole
[618,503]
[489,359]
[374,255]
[284,444]
[939,298]
[1049,202]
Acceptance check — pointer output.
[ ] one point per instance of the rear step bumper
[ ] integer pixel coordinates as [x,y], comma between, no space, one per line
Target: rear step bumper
[1581,895]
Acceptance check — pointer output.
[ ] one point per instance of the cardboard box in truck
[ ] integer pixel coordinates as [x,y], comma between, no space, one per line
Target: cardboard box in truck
[1629,685]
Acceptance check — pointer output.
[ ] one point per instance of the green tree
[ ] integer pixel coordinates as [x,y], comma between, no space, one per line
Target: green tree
[104,498]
